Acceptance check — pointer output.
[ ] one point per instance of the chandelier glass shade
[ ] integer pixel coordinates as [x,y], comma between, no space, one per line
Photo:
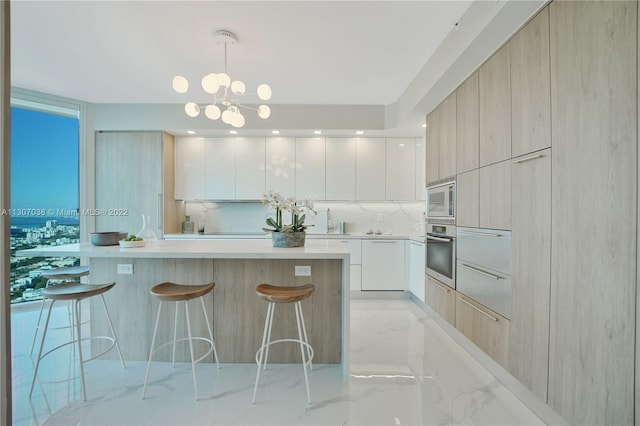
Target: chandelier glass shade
[226,93]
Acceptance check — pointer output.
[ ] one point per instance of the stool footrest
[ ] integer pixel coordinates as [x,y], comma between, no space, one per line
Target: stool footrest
[186,339]
[298,341]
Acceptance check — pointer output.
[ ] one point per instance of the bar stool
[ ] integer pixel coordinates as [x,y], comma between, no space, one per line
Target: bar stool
[75,292]
[58,274]
[171,292]
[281,294]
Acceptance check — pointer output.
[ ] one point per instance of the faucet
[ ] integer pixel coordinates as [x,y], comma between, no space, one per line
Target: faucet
[328,220]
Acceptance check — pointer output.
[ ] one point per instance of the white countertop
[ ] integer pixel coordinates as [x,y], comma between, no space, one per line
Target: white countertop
[199,249]
[241,236]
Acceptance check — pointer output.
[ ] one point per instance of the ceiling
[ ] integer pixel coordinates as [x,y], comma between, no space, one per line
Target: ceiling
[312,53]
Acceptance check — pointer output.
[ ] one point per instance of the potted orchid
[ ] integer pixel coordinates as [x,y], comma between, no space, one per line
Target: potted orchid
[292,234]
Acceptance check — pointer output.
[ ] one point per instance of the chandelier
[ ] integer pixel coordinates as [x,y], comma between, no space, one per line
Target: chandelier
[226,93]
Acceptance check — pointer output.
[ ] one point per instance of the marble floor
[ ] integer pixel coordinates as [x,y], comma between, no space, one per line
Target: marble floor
[405,370]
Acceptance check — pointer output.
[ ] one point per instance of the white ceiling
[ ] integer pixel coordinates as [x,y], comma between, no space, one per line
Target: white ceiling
[310,52]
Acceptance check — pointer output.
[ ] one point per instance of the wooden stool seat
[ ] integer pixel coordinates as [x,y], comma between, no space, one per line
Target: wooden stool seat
[75,291]
[283,294]
[67,273]
[172,292]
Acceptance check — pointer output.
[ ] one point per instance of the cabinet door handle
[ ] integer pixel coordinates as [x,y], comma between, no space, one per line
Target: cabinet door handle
[477,309]
[442,240]
[384,242]
[529,158]
[485,234]
[160,212]
[480,271]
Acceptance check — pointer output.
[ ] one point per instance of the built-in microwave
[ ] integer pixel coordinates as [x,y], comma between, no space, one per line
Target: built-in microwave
[441,200]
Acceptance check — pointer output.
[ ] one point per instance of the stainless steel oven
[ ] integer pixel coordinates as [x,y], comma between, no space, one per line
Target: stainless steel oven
[441,253]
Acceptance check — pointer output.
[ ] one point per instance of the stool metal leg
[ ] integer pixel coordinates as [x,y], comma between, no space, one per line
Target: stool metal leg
[193,364]
[213,343]
[262,348]
[35,334]
[153,342]
[44,335]
[175,333]
[298,310]
[78,327]
[266,356]
[306,340]
[113,331]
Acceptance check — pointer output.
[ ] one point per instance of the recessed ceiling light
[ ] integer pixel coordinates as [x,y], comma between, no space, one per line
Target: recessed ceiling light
[360,132]
[191,132]
[233,132]
[400,144]
[424,125]
[317,132]
[275,132]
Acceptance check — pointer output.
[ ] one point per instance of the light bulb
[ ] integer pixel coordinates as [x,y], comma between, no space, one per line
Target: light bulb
[264,111]
[210,83]
[180,84]
[192,109]
[238,120]
[264,92]
[227,116]
[223,79]
[212,112]
[238,87]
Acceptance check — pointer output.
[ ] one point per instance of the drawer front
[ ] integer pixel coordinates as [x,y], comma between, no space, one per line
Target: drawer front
[490,248]
[488,287]
[441,298]
[355,247]
[485,328]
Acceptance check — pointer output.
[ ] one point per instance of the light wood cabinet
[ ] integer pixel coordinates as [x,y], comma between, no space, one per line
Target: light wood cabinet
[280,157]
[447,138]
[594,94]
[530,270]
[400,169]
[441,298]
[190,169]
[468,199]
[495,109]
[135,172]
[341,169]
[220,168]
[370,169]
[431,160]
[383,265]
[310,176]
[467,125]
[495,196]
[420,169]
[531,87]
[488,330]
[250,168]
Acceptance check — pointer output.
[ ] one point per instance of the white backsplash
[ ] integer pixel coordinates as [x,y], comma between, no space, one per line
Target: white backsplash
[386,217]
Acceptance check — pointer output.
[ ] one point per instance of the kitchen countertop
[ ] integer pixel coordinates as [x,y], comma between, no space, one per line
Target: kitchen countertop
[309,236]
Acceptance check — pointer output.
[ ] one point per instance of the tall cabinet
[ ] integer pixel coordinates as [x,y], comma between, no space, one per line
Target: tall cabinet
[135,172]
[594,207]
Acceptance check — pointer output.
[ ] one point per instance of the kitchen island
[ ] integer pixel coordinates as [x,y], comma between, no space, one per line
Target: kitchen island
[236,267]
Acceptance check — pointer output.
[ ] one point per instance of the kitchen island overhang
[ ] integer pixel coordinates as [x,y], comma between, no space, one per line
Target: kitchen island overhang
[237,267]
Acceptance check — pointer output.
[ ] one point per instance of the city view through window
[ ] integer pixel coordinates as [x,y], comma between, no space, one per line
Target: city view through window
[44,194]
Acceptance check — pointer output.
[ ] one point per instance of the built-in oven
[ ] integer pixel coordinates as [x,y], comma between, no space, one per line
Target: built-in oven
[441,253]
[441,200]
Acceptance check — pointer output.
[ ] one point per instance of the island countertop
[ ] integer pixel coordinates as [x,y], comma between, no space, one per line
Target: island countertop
[198,249]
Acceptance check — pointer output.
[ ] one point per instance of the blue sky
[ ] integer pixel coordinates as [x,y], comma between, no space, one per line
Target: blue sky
[44,160]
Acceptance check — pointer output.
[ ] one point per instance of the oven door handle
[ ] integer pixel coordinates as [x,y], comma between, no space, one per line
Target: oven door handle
[442,240]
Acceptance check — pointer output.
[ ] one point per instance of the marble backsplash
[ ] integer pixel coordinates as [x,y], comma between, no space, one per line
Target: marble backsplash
[387,217]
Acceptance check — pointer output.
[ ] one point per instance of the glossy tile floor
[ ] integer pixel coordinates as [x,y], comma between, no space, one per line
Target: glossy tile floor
[405,370]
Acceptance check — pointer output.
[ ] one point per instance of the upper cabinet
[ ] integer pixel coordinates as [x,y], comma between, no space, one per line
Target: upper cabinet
[280,161]
[400,169]
[250,168]
[190,174]
[220,168]
[447,138]
[310,174]
[531,87]
[431,163]
[495,109]
[370,169]
[420,169]
[467,125]
[341,169]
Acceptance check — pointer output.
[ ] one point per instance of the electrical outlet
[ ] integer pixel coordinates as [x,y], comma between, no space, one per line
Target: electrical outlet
[125,268]
[303,271]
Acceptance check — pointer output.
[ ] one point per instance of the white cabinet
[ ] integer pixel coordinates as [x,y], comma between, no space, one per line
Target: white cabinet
[355,248]
[400,169]
[310,175]
[370,169]
[190,166]
[220,168]
[280,166]
[421,155]
[416,267]
[250,174]
[383,265]
[341,169]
